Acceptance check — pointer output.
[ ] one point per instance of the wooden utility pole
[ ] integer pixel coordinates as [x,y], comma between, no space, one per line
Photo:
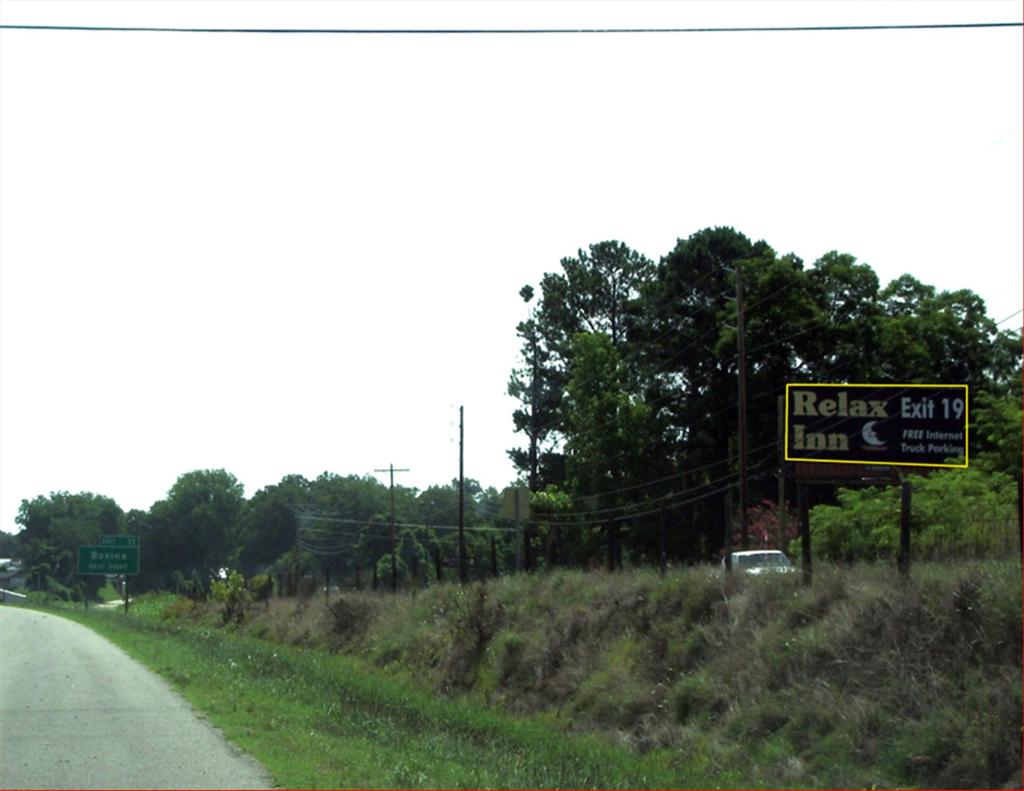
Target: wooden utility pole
[741,343]
[534,416]
[782,474]
[394,561]
[462,506]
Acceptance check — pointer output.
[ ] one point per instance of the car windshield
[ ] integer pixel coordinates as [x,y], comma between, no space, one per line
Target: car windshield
[760,559]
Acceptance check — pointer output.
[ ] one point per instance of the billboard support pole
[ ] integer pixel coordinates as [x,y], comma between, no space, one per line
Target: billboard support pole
[805,530]
[903,559]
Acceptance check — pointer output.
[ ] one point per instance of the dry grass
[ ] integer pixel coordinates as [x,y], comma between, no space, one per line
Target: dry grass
[863,679]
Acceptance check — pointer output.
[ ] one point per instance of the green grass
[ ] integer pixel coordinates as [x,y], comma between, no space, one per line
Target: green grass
[317,720]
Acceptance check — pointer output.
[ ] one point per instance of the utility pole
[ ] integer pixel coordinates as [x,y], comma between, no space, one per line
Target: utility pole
[534,428]
[394,562]
[741,342]
[462,506]
[782,473]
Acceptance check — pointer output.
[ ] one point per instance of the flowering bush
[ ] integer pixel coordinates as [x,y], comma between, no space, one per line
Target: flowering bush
[763,527]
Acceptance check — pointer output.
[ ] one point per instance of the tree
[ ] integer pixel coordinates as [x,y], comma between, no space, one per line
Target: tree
[607,431]
[538,388]
[672,329]
[267,529]
[690,367]
[54,527]
[598,291]
[9,547]
[845,347]
[192,529]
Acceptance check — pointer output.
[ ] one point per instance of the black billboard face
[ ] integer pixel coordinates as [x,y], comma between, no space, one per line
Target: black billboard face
[916,425]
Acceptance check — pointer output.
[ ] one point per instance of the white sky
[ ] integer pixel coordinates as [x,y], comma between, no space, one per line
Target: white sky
[289,254]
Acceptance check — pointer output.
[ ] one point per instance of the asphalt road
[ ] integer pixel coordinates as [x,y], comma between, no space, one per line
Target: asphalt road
[76,712]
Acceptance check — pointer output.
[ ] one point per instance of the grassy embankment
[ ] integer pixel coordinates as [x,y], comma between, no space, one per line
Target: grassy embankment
[573,679]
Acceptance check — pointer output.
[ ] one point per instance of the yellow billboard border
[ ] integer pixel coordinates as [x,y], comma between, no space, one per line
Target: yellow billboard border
[787,457]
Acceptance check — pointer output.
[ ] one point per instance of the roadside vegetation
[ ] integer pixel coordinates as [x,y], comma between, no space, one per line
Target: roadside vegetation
[575,679]
[317,620]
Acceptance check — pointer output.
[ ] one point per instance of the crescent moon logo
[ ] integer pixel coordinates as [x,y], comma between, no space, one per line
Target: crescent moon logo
[871,439]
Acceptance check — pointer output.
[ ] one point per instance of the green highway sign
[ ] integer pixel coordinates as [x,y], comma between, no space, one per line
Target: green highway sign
[108,559]
[119,541]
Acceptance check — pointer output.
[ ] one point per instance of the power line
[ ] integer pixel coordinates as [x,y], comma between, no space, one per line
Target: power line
[1015,313]
[669,500]
[665,499]
[417,526]
[674,475]
[511,31]
[760,474]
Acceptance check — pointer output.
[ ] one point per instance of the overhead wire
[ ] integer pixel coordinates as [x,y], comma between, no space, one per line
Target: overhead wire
[1012,315]
[683,474]
[597,517]
[755,474]
[513,31]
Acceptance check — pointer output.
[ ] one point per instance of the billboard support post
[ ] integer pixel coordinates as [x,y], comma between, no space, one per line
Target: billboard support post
[805,530]
[903,559]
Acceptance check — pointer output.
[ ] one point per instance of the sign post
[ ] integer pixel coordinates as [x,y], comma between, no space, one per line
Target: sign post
[516,505]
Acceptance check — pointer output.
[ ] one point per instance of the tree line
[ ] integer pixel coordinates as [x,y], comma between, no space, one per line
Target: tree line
[627,390]
[627,381]
[297,532]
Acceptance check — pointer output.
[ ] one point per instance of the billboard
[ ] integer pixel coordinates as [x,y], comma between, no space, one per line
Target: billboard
[906,424]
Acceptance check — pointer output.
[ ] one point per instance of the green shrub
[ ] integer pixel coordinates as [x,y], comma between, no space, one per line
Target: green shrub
[694,696]
[508,648]
[261,586]
[233,594]
[954,513]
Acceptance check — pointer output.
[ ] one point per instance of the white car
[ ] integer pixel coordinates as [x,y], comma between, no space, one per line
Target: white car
[760,561]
